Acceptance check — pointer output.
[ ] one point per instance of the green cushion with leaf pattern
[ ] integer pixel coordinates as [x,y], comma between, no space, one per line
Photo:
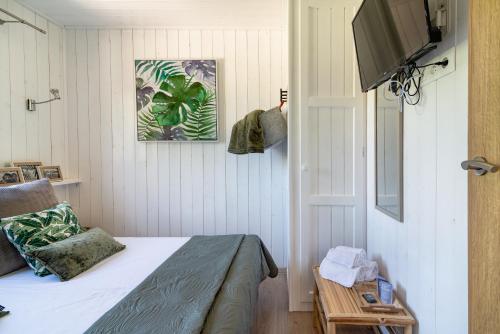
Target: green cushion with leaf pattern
[33,230]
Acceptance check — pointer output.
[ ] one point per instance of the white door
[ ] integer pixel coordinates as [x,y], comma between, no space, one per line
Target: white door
[332,138]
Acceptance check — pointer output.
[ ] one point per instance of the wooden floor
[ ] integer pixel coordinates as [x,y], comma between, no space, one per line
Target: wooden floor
[273,316]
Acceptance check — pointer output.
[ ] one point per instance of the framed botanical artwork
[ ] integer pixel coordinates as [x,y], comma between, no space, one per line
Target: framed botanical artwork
[176,100]
[53,173]
[30,172]
[10,176]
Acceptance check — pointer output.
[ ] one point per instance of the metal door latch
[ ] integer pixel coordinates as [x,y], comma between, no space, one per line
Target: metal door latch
[479,165]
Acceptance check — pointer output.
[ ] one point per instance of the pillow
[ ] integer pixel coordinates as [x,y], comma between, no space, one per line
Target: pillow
[17,200]
[33,230]
[10,259]
[26,198]
[74,255]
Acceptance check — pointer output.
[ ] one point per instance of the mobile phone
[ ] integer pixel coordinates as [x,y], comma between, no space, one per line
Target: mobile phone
[369,298]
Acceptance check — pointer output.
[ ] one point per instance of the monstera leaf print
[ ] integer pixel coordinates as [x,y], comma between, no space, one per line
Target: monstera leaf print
[147,126]
[201,123]
[203,70]
[176,100]
[158,70]
[143,93]
[176,97]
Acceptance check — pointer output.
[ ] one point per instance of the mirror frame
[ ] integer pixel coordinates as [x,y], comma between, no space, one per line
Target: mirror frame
[399,217]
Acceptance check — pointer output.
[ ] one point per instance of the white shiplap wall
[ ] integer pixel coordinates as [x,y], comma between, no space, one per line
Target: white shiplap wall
[30,64]
[174,189]
[426,256]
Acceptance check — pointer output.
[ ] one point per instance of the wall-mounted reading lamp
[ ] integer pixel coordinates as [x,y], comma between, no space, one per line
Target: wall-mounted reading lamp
[31,104]
[19,20]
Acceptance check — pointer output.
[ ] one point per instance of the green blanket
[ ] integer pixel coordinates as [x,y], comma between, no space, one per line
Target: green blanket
[247,135]
[209,285]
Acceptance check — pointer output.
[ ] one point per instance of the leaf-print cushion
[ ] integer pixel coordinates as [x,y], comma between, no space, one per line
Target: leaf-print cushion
[33,230]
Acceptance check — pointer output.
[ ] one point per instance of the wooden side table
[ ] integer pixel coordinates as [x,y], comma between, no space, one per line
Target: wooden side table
[336,305]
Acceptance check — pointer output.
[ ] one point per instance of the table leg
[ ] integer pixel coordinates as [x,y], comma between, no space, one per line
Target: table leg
[331,328]
[408,329]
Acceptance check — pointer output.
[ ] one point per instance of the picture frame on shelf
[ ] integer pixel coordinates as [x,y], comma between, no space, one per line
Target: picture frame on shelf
[53,173]
[10,176]
[29,169]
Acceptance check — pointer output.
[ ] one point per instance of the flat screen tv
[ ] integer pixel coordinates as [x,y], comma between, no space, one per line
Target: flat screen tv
[389,34]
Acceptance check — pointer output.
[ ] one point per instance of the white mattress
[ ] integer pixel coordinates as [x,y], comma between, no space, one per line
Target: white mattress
[46,305]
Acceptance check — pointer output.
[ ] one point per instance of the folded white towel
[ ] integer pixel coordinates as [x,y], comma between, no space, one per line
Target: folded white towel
[347,256]
[368,272]
[338,273]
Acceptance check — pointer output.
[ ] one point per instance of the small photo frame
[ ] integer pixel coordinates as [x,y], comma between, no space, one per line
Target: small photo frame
[53,173]
[10,176]
[29,169]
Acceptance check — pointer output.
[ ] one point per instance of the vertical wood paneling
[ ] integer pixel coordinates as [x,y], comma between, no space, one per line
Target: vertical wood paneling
[220,148]
[231,117]
[254,159]
[278,239]
[106,133]
[420,190]
[129,131]
[5,96]
[30,64]
[58,115]
[43,81]
[141,193]
[17,85]
[94,111]
[129,188]
[266,99]
[72,104]
[117,130]
[174,189]
[451,201]
[151,152]
[82,105]
[31,83]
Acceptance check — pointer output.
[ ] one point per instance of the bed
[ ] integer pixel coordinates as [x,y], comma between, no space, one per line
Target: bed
[100,300]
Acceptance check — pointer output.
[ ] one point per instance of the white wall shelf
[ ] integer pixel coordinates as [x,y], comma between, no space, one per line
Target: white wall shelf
[66,182]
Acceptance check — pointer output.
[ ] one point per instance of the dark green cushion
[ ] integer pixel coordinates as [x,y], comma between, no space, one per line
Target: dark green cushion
[74,255]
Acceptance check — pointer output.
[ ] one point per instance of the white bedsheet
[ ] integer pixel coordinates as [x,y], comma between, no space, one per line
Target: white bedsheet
[46,305]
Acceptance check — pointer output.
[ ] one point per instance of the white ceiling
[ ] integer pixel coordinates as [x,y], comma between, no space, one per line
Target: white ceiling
[175,13]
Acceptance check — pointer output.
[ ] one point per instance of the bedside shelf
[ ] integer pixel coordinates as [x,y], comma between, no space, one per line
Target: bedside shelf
[66,182]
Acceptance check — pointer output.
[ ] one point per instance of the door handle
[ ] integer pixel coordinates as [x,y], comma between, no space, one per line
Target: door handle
[479,165]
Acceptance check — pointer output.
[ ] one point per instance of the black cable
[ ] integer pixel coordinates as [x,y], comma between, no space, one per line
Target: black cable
[443,63]
[406,82]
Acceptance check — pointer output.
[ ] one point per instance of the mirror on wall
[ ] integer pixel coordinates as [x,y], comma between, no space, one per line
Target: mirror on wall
[389,153]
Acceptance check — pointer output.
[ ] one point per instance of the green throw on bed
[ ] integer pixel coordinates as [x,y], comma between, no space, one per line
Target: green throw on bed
[209,285]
